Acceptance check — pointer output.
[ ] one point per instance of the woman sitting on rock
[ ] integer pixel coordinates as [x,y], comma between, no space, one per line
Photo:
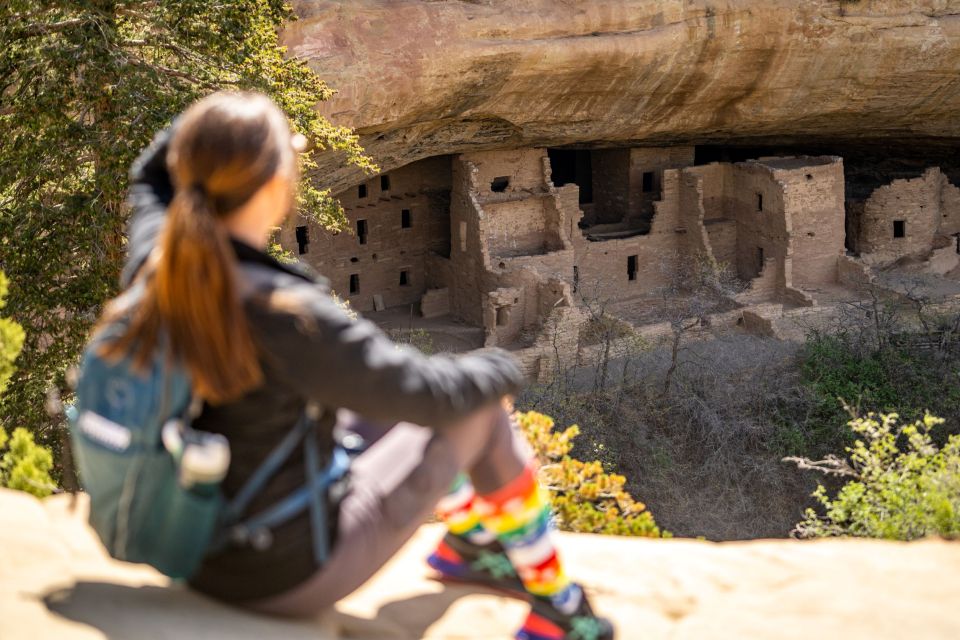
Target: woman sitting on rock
[262,339]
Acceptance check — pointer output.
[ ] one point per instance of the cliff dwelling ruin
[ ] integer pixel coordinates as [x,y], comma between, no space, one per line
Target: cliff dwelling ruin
[537,167]
[509,248]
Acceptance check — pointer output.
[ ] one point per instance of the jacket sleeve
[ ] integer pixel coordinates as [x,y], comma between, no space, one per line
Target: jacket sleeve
[341,362]
[151,192]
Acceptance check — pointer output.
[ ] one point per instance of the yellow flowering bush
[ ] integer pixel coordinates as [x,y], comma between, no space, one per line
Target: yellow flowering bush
[585,498]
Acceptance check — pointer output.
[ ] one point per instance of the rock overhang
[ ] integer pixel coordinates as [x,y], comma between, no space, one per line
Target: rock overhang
[419,78]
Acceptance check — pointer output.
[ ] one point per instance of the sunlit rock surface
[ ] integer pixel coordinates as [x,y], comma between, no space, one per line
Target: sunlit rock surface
[56,582]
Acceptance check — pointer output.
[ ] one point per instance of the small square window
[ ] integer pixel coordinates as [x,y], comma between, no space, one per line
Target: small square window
[384,183]
[405,220]
[362,191]
[899,228]
[404,278]
[500,184]
[354,283]
[647,181]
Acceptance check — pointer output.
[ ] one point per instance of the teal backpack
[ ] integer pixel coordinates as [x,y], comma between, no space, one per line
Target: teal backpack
[130,431]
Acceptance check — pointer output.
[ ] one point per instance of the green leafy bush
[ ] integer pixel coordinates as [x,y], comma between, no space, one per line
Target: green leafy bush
[901,485]
[585,498]
[837,370]
[11,339]
[24,464]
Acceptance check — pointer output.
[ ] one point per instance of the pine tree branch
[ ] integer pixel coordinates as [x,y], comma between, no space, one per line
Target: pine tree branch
[34,30]
[169,46]
[169,71]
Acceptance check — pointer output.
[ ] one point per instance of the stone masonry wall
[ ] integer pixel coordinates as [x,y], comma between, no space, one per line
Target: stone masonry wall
[916,203]
[422,189]
[692,215]
[522,167]
[611,185]
[489,239]
[762,231]
[813,201]
[603,265]
[715,178]
[653,160]
[949,209]
[466,255]
[719,219]
[519,244]
[435,303]
[723,240]
[519,228]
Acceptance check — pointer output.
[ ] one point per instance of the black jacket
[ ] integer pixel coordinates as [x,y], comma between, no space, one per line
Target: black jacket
[318,353]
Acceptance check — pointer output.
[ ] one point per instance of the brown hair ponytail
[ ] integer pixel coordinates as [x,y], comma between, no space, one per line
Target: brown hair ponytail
[225,149]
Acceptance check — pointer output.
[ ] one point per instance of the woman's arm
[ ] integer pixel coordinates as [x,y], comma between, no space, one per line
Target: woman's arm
[341,362]
[151,192]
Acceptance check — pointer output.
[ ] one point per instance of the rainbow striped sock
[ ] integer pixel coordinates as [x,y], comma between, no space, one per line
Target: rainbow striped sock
[457,510]
[519,515]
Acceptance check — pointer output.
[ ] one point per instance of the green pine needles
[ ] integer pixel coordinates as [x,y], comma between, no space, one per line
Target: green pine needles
[84,85]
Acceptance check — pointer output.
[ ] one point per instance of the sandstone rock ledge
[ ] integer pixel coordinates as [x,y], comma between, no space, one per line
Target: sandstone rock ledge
[55,582]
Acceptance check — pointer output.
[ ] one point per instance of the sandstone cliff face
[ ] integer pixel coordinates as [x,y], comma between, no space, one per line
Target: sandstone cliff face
[425,77]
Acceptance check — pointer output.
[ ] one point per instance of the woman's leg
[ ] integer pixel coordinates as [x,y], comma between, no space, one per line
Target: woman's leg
[395,485]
